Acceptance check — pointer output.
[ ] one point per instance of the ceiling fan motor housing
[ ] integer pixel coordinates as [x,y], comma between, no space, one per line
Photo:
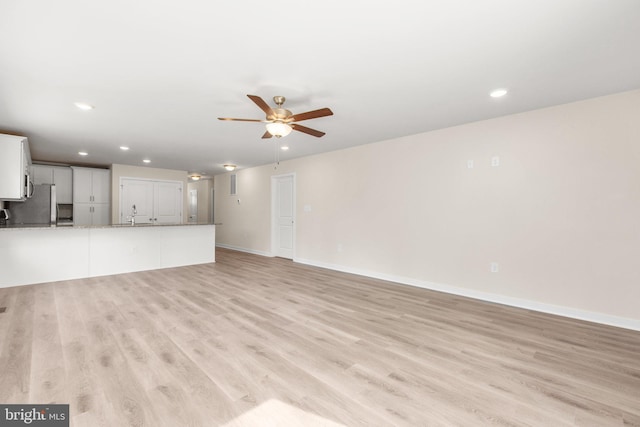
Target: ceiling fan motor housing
[279,114]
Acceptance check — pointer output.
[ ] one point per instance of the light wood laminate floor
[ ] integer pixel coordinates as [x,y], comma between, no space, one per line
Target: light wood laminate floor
[255,341]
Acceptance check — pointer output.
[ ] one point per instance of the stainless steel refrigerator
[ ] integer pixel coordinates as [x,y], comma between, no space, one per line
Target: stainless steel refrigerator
[40,209]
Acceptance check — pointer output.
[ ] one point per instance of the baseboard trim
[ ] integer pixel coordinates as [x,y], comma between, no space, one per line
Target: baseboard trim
[240,249]
[620,322]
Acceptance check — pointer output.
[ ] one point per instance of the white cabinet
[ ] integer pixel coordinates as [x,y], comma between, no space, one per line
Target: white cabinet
[61,176]
[63,179]
[91,185]
[15,160]
[91,214]
[156,202]
[91,196]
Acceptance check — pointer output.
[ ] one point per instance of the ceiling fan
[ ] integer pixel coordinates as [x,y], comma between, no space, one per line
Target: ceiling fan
[280,121]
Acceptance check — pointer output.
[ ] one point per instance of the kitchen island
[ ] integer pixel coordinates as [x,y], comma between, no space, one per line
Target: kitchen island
[37,254]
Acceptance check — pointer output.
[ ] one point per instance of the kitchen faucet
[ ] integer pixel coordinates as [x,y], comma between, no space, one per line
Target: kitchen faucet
[132,218]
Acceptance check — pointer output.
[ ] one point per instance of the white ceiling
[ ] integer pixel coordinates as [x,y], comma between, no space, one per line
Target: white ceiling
[159,73]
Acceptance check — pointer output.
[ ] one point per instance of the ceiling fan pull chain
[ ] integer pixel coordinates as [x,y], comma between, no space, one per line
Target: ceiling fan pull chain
[276,154]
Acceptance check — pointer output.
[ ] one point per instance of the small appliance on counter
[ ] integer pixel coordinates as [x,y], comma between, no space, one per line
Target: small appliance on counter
[4,216]
[40,209]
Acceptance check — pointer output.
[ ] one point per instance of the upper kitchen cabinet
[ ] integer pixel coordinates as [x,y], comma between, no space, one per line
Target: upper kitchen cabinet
[91,185]
[91,196]
[61,176]
[15,160]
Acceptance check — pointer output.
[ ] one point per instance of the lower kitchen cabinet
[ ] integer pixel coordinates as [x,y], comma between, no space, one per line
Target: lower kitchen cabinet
[91,214]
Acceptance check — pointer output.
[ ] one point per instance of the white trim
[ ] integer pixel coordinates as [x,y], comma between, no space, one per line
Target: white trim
[590,316]
[249,251]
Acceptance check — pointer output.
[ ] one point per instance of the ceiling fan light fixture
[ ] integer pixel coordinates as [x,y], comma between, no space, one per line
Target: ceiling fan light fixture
[230,167]
[279,129]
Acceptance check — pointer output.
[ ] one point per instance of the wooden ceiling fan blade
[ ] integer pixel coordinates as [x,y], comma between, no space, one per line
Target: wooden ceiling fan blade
[241,120]
[266,135]
[263,105]
[311,115]
[307,130]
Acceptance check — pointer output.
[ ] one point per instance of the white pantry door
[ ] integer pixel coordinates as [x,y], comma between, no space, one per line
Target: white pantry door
[138,193]
[168,202]
[156,202]
[283,234]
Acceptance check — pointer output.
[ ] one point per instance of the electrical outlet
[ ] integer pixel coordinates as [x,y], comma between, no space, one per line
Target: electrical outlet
[495,267]
[495,161]
[469,164]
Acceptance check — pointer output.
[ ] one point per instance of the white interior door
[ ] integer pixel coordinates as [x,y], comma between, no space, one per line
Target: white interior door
[168,202]
[138,193]
[284,216]
[193,205]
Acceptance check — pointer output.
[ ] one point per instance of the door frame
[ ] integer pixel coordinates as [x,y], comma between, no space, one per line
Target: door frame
[274,212]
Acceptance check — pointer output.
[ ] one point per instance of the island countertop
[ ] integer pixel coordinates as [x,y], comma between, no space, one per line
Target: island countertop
[47,226]
[37,254]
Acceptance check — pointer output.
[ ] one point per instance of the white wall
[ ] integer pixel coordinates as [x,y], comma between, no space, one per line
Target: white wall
[127,171]
[561,214]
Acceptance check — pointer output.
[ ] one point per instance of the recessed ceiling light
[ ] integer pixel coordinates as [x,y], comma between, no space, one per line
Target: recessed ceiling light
[146,161]
[498,93]
[84,106]
[284,147]
[83,153]
[124,148]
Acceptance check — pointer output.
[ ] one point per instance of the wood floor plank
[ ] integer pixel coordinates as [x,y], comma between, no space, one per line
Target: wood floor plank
[16,347]
[48,377]
[88,405]
[250,341]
